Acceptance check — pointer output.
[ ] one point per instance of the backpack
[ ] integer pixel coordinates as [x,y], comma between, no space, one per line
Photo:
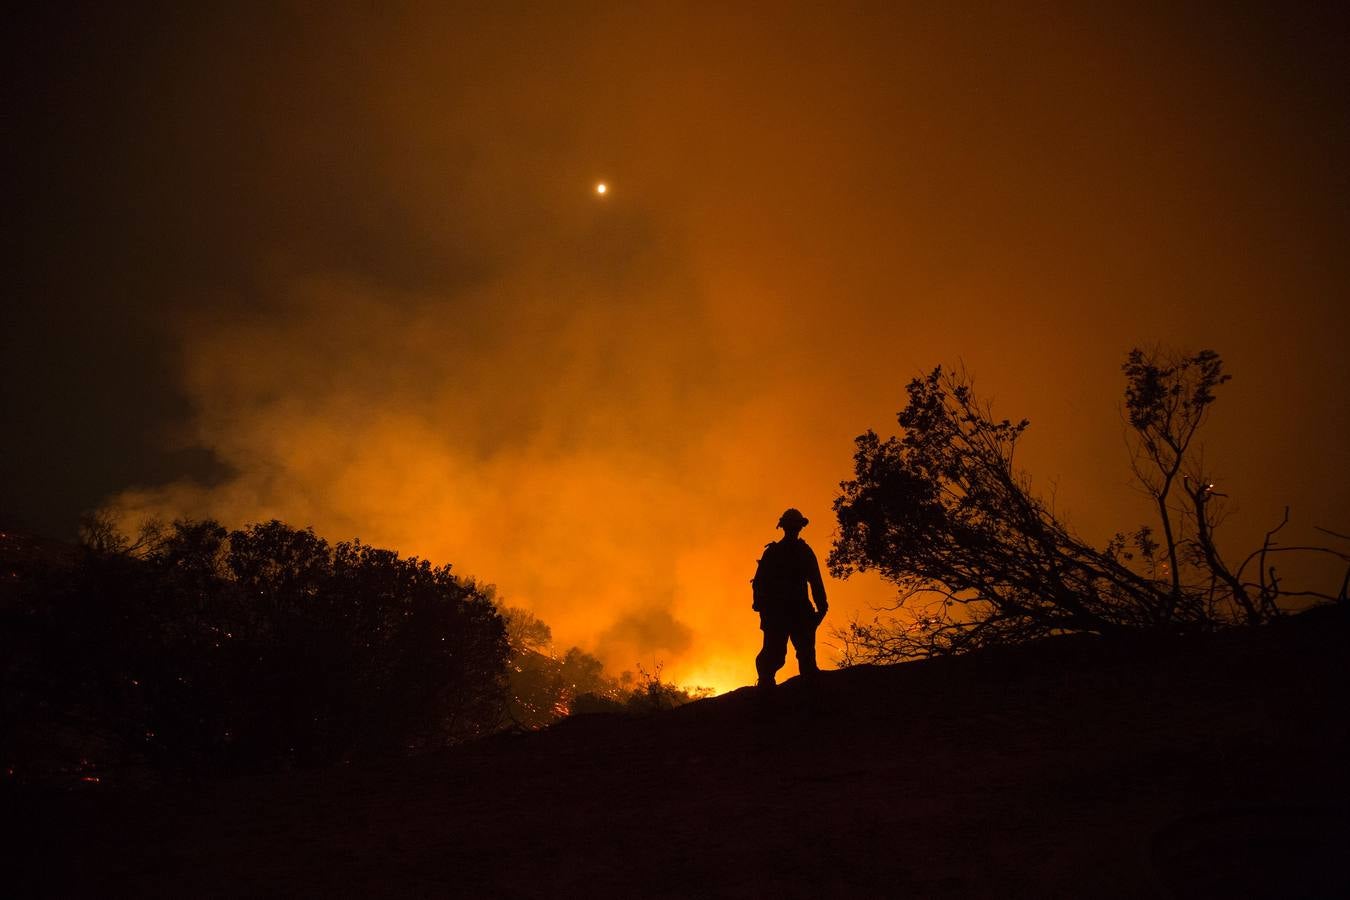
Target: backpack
[773,579]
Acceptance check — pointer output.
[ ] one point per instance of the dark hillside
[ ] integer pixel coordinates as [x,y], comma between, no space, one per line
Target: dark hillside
[1203,767]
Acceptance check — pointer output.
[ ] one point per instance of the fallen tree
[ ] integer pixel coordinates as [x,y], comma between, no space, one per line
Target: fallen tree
[978,558]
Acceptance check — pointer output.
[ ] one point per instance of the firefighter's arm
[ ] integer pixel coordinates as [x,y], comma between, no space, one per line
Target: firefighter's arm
[817,583]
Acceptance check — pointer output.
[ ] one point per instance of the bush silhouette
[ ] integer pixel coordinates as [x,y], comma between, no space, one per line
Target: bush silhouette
[654,695]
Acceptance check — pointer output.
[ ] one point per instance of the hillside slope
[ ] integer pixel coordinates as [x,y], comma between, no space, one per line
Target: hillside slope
[1203,767]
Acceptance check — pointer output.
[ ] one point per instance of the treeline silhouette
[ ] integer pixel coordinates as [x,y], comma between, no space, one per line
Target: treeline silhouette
[197,649]
[544,686]
[203,649]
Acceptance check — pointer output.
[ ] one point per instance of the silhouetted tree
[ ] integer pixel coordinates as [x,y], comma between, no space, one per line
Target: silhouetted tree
[979,558]
[542,687]
[525,630]
[265,646]
[545,689]
[1167,399]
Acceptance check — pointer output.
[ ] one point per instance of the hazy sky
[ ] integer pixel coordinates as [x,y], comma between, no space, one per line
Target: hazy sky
[344,265]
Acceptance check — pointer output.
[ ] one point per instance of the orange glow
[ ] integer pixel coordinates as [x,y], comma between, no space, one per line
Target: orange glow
[604,410]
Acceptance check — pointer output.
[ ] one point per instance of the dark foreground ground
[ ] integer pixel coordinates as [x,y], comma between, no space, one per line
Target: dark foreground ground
[1075,768]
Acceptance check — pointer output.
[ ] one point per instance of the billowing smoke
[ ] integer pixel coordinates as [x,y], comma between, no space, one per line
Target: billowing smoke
[547,430]
[654,630]
[402,312]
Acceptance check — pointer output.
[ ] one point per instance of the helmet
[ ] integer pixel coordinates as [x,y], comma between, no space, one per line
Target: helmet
[793,519]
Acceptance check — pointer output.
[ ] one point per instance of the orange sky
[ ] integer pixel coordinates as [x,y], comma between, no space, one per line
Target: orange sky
[395,307]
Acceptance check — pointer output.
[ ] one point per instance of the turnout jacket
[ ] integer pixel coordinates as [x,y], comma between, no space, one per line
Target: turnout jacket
[795,567]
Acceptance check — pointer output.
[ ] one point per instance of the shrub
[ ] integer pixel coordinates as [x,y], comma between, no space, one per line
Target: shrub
[204,649]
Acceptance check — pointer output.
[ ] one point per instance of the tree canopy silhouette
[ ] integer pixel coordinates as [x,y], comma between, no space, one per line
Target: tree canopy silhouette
[943,512]
[206,649]
[542,688]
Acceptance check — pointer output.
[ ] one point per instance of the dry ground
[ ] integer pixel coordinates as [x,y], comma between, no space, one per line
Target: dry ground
[1074,768]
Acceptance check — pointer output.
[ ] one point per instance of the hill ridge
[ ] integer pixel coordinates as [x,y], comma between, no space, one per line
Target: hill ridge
[1074,767]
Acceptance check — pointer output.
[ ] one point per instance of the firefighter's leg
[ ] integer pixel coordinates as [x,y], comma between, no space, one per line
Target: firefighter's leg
[804,642]
[774,654]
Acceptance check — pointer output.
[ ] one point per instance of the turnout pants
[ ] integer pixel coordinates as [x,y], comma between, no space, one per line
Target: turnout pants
[802,633]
